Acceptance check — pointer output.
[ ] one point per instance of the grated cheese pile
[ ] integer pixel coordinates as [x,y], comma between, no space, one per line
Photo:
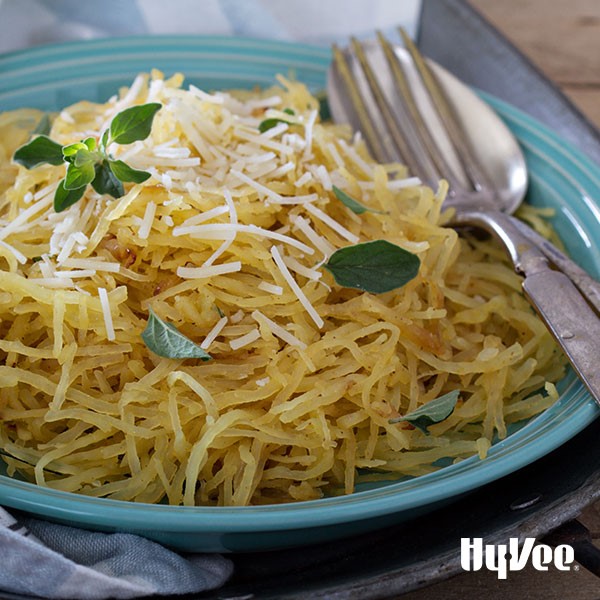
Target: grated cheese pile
[226,241]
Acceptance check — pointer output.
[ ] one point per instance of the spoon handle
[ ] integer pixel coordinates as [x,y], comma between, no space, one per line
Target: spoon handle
[565,311]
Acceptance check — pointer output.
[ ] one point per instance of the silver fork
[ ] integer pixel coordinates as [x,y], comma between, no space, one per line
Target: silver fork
[400,133]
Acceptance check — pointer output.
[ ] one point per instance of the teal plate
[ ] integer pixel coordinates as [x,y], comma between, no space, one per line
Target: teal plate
[561,177]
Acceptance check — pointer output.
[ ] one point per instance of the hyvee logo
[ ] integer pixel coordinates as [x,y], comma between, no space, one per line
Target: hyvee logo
[503,558]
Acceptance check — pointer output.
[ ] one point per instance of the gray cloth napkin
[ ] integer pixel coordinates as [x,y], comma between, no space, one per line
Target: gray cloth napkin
[55,561]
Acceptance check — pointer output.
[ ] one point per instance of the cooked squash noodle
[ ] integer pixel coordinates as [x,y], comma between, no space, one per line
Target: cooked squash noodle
[226,241]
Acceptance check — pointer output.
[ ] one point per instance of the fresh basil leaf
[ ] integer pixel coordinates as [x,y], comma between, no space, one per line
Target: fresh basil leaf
[289,111]
[432,412]
[166,340]
[105,182]
[38,151]
[133,123]
[354,205]
[375,267]
[270,123]
[123,172]
[79,176]
[63,198]
[43,127]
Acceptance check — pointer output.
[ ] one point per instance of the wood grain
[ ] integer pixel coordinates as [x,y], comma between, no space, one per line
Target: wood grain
[562,38]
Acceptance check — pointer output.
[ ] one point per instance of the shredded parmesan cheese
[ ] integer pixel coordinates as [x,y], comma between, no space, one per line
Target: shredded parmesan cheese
[223,231]
[108,322]
[317,212]
[245,340]
[271,288]
[278,330]
[319,241]
[205,272]
[310,309]
[213,333]
[147,221]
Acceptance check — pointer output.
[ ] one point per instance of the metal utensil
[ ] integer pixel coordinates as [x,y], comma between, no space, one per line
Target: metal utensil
[412,110]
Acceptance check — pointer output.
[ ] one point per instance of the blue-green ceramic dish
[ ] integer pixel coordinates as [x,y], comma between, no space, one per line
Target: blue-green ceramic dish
[53,77]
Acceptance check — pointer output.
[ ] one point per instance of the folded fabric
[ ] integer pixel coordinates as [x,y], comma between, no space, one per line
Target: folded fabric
[55,561]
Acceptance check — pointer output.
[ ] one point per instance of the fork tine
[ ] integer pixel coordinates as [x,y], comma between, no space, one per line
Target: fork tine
[427,155]
[387,140]
[393,133]
[375,142]
[441,167]
[468,160]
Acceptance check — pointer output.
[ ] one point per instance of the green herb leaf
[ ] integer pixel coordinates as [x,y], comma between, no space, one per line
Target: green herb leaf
[85,156]
[63,198]
[105,182]
[87,161]
[270,123]
[104,139]
[79,176]
[43,127]
[90,143]
[354,205]
[375,267]
[324,110]
[123,172]
[133,123]
[72,149]
[432,412]
[38,151]
[166,340]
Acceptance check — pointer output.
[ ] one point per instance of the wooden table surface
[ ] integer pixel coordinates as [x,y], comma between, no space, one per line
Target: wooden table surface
[562,37]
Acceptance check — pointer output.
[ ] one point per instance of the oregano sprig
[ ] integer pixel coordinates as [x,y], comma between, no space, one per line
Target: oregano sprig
[88,161]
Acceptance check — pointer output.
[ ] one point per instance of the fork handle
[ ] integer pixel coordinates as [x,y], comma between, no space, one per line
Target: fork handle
[570,320]
[494,220]
[587,285]
[565,311]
